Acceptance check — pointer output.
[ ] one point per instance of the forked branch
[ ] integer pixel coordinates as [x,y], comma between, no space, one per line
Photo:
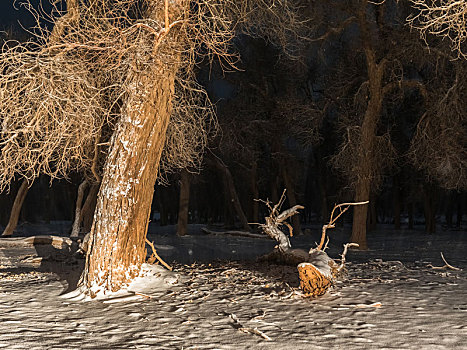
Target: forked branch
[343,207]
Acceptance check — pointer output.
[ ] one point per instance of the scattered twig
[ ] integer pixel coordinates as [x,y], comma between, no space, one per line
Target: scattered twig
[446,266]
[157,255]
[346,247]
[255,331]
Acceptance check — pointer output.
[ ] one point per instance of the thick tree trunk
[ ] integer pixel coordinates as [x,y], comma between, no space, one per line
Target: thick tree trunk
[16,209]
[360,216]
[117,240]
[365,166]
[182,224]
[78,209]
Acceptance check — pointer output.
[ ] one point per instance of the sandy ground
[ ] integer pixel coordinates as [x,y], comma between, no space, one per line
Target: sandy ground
[391,298]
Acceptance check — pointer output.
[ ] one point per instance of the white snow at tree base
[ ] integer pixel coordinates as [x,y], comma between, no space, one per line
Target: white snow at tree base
[152,280]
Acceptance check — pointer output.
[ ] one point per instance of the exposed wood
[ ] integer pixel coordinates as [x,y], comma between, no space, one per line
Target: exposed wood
[156,256]
[57,241]
[16,209]
[78,209]
[317,271]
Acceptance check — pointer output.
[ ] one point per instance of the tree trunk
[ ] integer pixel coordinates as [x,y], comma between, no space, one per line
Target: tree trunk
[410,206]
[118,234]
[397,203]
[255,192]
[289,185]
[365,167]
[429,208]
[16,209]
[78,209]
[231,193]
[87,211]
[182,224]
[360,214]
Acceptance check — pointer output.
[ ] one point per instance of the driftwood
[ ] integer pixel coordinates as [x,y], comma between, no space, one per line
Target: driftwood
[317,271]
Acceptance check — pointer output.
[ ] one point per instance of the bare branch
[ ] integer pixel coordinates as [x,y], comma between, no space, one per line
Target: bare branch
[343,207]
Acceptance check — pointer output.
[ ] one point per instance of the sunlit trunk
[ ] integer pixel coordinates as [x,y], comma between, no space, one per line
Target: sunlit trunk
[117,240]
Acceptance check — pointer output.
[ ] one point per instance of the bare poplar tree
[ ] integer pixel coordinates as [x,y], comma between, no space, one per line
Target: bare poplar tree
[126,66]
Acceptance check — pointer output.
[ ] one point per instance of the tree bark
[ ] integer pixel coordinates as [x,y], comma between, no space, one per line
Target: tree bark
[78,209]
[118,234]
[16,209]
[182,224]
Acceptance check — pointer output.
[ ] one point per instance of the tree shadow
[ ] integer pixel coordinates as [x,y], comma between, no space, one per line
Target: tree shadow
[61,260]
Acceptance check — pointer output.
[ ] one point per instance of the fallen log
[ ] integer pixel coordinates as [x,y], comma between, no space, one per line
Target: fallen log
[232,233]
[317,271]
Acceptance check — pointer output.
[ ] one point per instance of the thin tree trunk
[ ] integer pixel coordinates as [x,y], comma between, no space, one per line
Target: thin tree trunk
[461,204]
[410,214]
[78,217]
[16,209]
[397,203]
[429,208]
[231,193]
[182,224]
[87,211]
[118,234]
[255,192]
[289,185]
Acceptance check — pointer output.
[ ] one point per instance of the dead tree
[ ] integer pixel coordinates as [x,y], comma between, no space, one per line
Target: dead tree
[316,269]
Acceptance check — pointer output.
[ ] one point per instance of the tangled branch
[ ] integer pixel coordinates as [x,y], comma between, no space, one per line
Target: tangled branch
[61,93]
[444,18]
